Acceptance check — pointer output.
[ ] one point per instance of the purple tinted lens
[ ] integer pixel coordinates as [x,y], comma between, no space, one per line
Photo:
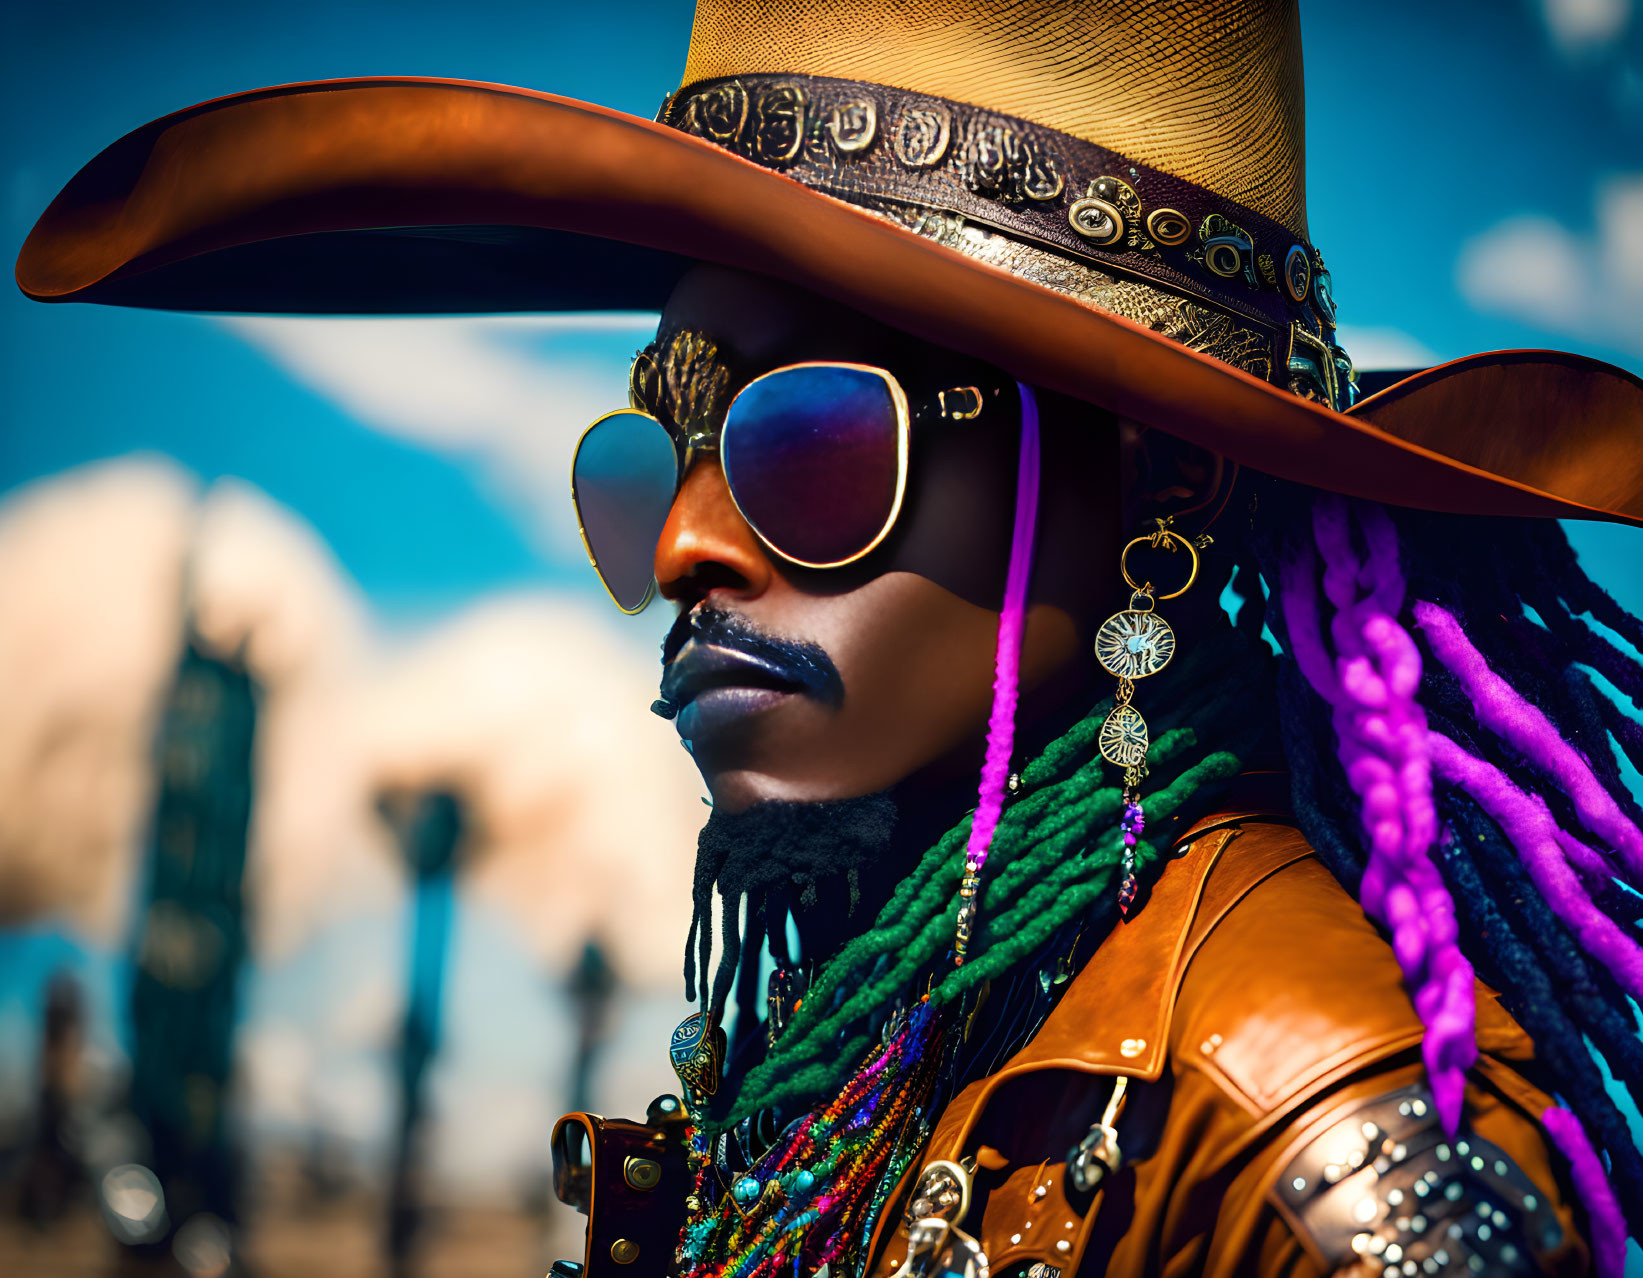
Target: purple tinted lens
[623,479]
[813,457]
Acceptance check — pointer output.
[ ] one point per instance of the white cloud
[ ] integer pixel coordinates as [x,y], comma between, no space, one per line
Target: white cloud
[1620,219]
[1377,348]
[263,583]
[1584,286]
[1577,25]
[587,809]
[513,392]
[91,572]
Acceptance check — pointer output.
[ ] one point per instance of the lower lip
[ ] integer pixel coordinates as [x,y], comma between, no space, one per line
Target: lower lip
[721,708]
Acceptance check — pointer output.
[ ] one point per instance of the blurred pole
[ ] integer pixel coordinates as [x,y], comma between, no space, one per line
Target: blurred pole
[593,987]
[190,947]
[54,1170]
[429,826]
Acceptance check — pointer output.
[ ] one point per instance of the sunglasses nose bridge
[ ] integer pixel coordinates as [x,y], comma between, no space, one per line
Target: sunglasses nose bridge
[702,442]
[706,544]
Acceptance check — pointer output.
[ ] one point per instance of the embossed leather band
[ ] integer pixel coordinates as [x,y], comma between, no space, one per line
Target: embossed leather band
[880,148]
[1383,1183]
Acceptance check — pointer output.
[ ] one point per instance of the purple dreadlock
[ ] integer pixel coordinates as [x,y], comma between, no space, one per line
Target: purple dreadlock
[1385,752]
[1475,800]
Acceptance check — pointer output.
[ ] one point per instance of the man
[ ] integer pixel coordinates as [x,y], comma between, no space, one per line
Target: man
[991,335]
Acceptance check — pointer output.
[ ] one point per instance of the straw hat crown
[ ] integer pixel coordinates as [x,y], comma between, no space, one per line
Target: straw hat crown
[1207,90]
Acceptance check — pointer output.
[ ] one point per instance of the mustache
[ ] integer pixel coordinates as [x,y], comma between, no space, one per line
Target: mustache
[806,664]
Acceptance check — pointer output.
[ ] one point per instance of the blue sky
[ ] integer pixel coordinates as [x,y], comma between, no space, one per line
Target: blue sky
[1473,170]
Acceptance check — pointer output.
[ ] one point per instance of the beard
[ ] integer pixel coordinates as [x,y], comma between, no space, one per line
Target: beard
[775,858]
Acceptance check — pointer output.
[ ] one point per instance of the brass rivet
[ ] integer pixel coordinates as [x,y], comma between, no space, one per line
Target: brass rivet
[1225,260]
[624,1251]
[642,1173]
[1133,1046]
[1168,226]
[1098,221]
[1297,273]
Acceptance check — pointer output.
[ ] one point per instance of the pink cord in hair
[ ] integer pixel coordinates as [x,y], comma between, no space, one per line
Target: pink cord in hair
[1007,663]
[1592,1184]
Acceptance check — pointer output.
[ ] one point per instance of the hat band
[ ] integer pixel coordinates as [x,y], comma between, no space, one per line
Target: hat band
[1051,207]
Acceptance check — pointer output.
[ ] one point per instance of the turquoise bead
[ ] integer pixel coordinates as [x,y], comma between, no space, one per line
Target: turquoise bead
[746,1190]
[803,1181]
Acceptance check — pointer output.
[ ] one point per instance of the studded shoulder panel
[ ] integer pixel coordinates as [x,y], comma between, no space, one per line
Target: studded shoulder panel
[1382,1192]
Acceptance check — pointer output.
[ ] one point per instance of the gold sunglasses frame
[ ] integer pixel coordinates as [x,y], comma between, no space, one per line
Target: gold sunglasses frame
[701,442]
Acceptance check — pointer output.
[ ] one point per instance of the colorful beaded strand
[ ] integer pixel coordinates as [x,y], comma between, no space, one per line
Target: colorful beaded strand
[1133,822]
[828,1169]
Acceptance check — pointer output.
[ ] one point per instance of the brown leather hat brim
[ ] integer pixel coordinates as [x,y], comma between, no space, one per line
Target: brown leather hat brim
[412,195]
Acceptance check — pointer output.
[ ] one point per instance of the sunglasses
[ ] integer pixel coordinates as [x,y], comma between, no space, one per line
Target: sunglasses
[815,457]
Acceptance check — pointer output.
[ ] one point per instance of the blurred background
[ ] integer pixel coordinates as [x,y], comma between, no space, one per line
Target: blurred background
[338,851]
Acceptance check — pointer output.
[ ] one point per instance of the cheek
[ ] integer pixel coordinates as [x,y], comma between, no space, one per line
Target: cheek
[956,524]
[918,663]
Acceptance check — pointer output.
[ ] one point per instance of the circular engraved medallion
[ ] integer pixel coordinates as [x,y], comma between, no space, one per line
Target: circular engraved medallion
[920,137]
[1097,220]
[1297,273]
[1123,738]
[853,125]
[777,131]
[1223,258]
[1133,644]
[1168,226]
[718,114]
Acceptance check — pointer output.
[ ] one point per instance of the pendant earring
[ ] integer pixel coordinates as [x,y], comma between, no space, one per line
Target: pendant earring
[1131,645]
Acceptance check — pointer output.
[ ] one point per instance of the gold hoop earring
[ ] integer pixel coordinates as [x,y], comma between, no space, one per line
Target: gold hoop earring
[1131,645]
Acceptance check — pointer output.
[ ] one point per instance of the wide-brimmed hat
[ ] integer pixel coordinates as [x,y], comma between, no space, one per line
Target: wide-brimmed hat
[1102,197]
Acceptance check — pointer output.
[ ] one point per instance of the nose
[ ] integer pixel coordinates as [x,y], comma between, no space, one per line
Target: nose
[706,546]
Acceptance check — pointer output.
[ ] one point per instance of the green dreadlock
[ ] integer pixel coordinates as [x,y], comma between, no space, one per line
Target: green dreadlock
[1054,859]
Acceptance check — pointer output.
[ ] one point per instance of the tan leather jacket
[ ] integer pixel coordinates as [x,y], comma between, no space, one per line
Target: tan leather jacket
[1260,1022]
[1254,1011]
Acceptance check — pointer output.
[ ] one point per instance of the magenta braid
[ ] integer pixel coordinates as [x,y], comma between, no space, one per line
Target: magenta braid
[1370,685]
[1592,1184]
[1504,711]
[1527,822]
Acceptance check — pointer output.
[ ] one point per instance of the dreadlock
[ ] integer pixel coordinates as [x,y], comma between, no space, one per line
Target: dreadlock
[1532,866]
[1054,861]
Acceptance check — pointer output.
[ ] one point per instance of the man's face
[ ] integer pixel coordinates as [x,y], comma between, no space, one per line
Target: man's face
[882,670]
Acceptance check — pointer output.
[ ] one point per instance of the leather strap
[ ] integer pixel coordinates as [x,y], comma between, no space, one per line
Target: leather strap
[630,1180]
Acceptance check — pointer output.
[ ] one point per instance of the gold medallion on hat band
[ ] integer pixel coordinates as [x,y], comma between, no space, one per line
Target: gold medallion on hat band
[1131,645]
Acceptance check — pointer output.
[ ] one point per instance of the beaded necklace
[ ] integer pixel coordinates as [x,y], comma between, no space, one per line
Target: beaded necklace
[814,1197]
